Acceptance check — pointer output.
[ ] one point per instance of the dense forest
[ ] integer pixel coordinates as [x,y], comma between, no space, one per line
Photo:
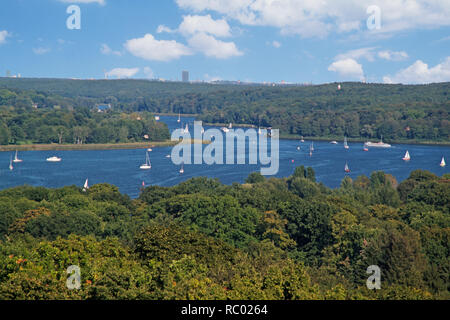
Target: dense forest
[28,117]
[416,113]
[289,238]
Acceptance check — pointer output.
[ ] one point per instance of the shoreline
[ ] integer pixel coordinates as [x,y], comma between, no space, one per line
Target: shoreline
[86,147]
[338,139]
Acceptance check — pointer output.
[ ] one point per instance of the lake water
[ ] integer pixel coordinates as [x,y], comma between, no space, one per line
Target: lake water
[121,167]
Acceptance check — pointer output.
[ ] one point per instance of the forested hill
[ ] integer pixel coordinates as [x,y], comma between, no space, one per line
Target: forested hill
[268,239]
[358,110]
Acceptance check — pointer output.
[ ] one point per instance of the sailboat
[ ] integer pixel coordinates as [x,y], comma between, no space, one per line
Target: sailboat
[86,186]
[182,169]
[345,143]
[298,148]
[16,159]
[365,148]
[147,164]
[311,149]
[186,130]
[302,140]
[346,168]
[407,157]
[11,164]
[442,164]
[179,118]
[312,146]
[259,131]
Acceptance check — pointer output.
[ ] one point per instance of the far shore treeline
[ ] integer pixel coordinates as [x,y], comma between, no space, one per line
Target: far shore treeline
[360,111]
[284,239]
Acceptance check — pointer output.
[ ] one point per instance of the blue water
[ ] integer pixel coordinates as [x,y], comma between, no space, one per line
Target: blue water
[121,167]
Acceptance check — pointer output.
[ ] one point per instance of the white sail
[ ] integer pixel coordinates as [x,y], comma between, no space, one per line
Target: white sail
[16,158]
[230,126]
[442,162]
[186,130]
[407,156]
[345,143]
[182,169]
[86,185]
[346,168]
[11,164]
[179,118]
[147,164]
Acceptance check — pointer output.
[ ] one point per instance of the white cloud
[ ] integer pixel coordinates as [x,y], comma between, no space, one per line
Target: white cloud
[3,35]
[212,47]
[276,44]
[41,50]
[393,55]
[209,78]
[106,50]
[122,72]
[370,54]
[312,18]
[100,2]
[149,73]
[347,68]
[366,53]
[149,48]
[204,24]
[162,28]
[420,72]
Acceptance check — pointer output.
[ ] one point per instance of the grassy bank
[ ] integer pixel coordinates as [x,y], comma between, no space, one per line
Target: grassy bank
[106,146]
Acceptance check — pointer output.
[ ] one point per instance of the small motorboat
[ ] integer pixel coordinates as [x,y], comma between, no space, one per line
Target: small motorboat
[54,159]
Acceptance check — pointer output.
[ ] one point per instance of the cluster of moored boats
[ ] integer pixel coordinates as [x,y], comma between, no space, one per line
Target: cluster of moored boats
[17,160]
[148,165]
[381,144]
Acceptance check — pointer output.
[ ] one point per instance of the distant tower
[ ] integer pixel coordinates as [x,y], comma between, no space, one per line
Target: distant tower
[185,76]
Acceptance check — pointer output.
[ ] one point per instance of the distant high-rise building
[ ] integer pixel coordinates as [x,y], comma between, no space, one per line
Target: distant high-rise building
[185,76]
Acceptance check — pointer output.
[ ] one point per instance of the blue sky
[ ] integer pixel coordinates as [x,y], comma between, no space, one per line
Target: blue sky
[248,40]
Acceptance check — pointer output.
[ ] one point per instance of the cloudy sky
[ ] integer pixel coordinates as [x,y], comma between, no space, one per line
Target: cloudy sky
[390,41]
